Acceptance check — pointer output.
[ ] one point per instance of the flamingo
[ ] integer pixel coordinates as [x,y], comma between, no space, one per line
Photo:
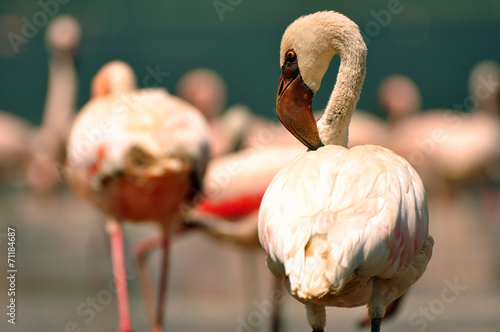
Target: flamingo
[62,38]
[137,155]
[36,150]
[341,227]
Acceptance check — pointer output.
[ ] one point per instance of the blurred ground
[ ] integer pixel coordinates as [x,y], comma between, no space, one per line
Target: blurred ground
[63,265]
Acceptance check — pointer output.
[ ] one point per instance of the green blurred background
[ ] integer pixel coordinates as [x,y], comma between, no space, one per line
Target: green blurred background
[436,43]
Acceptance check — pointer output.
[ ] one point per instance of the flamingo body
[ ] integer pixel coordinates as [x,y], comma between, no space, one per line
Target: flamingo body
[142,165]
[235,183]
[333,232]
[234,208]
[137,155]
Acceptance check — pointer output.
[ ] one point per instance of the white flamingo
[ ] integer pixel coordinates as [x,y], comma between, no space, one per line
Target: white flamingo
[137,155]
[341,227]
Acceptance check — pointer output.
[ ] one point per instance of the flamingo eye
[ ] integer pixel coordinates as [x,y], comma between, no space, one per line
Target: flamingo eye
[290,55]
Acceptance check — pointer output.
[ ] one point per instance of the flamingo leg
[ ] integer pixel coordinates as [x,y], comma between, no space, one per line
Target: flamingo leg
[119,271]
[141,251]
[275,315]
[390,311]
[158,327]
[376,324]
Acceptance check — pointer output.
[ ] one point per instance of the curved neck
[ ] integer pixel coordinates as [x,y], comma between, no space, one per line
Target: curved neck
[333,126]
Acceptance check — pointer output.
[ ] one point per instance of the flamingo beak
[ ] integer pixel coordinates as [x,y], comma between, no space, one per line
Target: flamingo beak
[293,105]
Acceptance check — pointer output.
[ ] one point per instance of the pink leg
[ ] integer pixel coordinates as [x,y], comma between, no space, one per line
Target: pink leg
[118,257]
[158,327]
[141,250]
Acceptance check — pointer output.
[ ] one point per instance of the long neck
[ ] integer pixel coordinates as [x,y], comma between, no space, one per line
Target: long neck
[333,127]
[61,94]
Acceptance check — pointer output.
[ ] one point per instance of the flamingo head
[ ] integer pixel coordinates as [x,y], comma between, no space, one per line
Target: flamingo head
[307,48]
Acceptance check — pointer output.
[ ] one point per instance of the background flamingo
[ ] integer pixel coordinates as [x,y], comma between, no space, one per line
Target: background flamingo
[38,152]
[453,147]
[137,155]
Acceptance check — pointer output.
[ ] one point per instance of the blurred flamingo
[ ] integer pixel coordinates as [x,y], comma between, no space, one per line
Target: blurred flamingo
[454,148]
[62,38]
[137,155]
[38,151]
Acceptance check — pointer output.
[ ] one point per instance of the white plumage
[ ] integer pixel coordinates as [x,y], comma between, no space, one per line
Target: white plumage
[138,155]
[329,216]
[341,227]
